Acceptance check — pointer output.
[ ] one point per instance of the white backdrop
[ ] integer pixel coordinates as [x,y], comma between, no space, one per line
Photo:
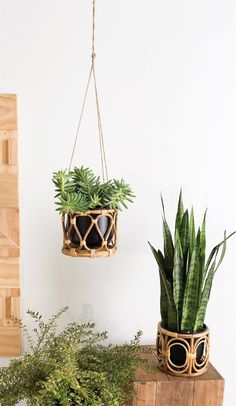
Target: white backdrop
[166,76]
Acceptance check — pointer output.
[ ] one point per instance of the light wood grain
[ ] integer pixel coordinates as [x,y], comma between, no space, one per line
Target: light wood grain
[9,229]
[145,394]
[8,190]
[209,393]
[167,390]
[9,341]
[10,225]
[8,119]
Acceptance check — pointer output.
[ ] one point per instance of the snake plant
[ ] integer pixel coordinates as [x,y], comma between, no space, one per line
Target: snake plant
[81,190]
[186,275]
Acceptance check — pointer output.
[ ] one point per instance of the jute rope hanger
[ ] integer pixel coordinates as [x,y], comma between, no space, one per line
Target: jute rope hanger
[92,75]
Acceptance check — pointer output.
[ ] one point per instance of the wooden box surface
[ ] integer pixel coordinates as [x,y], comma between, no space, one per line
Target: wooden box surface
[9,228]
[161,389]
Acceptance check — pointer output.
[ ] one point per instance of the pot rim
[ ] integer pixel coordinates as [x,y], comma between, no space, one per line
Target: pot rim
[93,211]
[175,334]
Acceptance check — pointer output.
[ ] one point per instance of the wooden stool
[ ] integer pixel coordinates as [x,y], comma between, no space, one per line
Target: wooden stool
[160,389]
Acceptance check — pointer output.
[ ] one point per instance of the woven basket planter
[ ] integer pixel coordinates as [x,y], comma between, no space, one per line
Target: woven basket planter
[183,354]
[91,234]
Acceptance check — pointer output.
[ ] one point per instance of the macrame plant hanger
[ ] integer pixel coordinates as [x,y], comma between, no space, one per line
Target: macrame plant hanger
[94,233]
[92,77]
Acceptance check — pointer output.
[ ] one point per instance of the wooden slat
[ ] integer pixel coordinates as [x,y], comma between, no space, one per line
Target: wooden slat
[9,341]
[209,393]
[145,394]
[176,393]
[8,120]
[8,190]
[9,229]
[10,225]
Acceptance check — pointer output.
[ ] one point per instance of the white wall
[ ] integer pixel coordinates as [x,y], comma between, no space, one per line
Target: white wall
[166,73]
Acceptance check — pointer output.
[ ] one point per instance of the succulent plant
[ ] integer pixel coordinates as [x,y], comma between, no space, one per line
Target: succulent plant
[81,190]
[185,275]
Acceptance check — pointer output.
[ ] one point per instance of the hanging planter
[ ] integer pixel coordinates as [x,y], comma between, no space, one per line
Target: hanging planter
[89,210]
[89,206]
[186,277]
[90,234]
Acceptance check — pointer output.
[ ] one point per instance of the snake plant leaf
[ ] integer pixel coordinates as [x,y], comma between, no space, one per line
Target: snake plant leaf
[202,255]
[200,317]
[167,300]
[163,296]
[192,237]
[184,236]
[179,214]
[178,280]
[168,245]
[212,253]
[222,252]
[203,240]
[191,289]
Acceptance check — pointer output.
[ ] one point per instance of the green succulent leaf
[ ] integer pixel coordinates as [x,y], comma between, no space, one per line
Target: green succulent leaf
[80,188]
[63,182]
[72,202]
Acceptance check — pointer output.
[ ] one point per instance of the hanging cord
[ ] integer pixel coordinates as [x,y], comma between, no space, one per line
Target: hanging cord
[92,72]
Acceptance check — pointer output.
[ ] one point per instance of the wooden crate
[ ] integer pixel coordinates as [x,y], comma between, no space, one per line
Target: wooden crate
[160,389]
[9,228]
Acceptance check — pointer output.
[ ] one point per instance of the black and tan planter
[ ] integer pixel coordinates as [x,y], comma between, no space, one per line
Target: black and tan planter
[91,234]
[182,354]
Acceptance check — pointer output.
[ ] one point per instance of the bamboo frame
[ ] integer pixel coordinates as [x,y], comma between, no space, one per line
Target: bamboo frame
[166,340]
[108,244]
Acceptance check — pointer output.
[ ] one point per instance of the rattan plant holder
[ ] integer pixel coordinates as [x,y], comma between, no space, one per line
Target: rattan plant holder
[107,244]
[75,242]
[182,354]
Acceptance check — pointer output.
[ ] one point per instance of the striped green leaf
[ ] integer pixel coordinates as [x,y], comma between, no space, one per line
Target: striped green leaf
[168,250]
[202,255]
[178,281]
[200,317]
[179,214]
[184,236]
[192,237]
[191,289]
[203,240]
[167,300]
[168,246]
[212,254]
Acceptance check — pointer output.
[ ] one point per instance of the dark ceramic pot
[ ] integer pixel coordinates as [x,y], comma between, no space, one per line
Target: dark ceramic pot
[178,353]
[93,239]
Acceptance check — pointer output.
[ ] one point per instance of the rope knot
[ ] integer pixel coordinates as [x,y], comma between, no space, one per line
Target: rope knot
[93,56]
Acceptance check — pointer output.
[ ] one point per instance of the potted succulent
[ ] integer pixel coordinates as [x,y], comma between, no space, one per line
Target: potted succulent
[70,367]
[89,211]
[186,278]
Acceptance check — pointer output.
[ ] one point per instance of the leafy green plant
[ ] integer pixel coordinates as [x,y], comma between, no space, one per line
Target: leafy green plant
[80,190]
[70,367]
[185,275]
